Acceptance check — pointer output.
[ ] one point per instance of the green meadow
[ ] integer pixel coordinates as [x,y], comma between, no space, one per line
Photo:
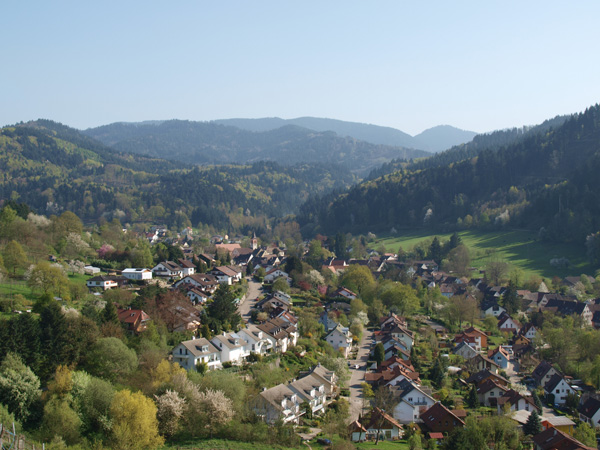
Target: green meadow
[520,248]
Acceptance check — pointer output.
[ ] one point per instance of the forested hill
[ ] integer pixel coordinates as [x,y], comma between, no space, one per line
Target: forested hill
[434,139]
[545,181]
[212,143]
[54,168]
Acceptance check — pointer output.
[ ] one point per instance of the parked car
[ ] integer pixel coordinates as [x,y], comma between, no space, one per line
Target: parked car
[323,441]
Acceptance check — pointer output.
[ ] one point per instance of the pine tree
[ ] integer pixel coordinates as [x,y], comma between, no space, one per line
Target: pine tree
[109,315]
[533,425]
[472,400]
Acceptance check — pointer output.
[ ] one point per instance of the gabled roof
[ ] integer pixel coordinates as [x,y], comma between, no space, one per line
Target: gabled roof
[132,315]
[541,370]
[186,264]
[475,359]
[483,374]
[436,414]
[195,346]
[552,438]
[376,414]
[277,394]
[512,397]
[488,385]
[553,382]
[590,407]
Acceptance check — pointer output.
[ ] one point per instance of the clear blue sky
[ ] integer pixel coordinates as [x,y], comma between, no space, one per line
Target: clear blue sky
[411,65]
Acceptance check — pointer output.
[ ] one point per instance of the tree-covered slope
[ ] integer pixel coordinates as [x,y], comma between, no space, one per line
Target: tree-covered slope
[213,143]
[544,180]
[54,168]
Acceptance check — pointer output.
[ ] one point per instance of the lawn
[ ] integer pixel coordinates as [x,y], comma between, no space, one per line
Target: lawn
[383,445]
[520,248]
[222,444]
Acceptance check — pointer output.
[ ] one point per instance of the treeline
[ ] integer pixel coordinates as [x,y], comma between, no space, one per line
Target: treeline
[54,168]
[544,181]
[212,143]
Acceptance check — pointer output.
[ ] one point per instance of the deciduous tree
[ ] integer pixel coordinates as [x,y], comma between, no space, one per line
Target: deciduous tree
[135,426]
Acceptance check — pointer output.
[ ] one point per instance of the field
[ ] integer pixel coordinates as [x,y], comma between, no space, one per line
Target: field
[222,444]
[519,248]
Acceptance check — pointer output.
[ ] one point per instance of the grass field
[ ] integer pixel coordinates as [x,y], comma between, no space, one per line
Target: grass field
[222,444]
[519,248]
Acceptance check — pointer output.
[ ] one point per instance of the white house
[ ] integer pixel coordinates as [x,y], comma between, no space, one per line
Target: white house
[187,267]
[280,333]
[590,412]
[102,282]
[231,347]
[465,350]
[558,387]
[340,339]
[311,391]
[137,274]
[196,296]
[227,274]
[273,274]
[492,309]
[277,403]
[206,282]
[413,402]
[257,341]
[188,354]
[167,269]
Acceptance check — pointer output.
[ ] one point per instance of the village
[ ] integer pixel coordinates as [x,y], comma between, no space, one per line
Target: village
[416,374]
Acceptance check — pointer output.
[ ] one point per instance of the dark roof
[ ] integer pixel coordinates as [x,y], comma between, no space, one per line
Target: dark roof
[436,414]
[552,438]
[541,370]
[553,382]
[590,407]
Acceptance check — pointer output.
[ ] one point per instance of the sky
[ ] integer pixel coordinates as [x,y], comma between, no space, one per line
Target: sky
[411,65]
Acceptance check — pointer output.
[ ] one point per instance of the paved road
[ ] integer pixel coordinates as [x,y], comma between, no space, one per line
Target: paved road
[254,290]
[358,375]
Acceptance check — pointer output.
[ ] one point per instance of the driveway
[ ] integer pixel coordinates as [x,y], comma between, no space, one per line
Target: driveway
[358,375]
[248,302]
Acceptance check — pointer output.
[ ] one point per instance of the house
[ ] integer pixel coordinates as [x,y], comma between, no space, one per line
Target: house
[489,392]
[327,377]
[552,438]
[203,281]
[516,402]
[229,248]
[480,362]
[256,340]
[187,267]
[344,292]
[275,273]
[311,391]
[135,320]
[227,274]
[188,354]
[392,376]
[384,425]
[280,333]
[275,300]
[137,274]
[277,403]
[529,331]
[568,308]
[102,282]
[483,375]
[472,336]
[358,433]
[491,308]
[589,412]
[500,356]
[561,423]
[559,388]
[402,335]
[413,401]
[439,419]
[507,323]
[543,372]
[168,269]
[197,296]
[465,350]
[340,339]
[231,346]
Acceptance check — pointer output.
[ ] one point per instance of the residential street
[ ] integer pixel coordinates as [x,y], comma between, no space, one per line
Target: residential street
[254,290]
[358,375]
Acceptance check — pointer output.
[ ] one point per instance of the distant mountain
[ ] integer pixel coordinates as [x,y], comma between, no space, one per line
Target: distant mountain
[54,168]
[442,137]
[214,143]
[434,140]
[543,178]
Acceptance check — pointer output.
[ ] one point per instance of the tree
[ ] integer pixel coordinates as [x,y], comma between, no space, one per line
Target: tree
[93,397]
[109,314]
[379,354]
[459,260]
[60,420]
[281,284]
[414,442]
[214,408]
[585,434]
[53,338]
[510,299]
[533,425]
[472,400]
[359,279]
[14,257]
[135,426]
[111,359]
[435,250]
[314,256]
[223,308]
[339,366]
[495,271]
[385,401]
[48,278]
[437,373]
[399,297]
[170,407]
[19,387]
